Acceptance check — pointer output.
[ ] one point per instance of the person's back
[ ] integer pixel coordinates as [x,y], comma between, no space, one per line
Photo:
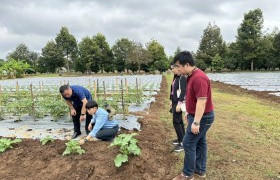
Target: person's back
[101,127]
[78,94]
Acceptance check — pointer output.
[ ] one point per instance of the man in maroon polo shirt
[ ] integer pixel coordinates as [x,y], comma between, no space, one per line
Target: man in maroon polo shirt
[200,116]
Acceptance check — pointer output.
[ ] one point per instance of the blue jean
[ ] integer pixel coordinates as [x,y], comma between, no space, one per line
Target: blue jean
[195,145]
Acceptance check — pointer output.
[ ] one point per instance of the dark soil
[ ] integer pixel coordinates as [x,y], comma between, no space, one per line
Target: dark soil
[31,160]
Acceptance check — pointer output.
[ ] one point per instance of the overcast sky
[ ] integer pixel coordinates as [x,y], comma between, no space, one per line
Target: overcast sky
[172,23]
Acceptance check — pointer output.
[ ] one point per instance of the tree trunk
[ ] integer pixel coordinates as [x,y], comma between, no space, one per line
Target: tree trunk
[252,65]
[67,63]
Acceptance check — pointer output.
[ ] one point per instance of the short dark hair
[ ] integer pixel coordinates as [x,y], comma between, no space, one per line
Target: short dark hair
[184,57]
[63,88]
[91,104]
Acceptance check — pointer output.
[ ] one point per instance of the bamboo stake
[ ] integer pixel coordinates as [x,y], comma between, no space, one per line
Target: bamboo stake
[126,86]
[32,97]
[117,84]
[0,95]
[122,99]
[95,92]
[97,88]
[17,87]
[137,89]
[89,84]
[104,89]
[42,86]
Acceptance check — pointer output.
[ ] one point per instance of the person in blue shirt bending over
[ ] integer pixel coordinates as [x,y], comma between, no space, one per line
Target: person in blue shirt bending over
[76,97]
[102,128]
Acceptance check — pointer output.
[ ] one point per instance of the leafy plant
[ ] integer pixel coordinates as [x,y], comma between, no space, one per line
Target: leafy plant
[7,143]
[56,108]
[46,140]
[127,144]
[72,147]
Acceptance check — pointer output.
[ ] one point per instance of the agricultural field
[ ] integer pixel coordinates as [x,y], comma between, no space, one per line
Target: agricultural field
[148,153]
[30,100]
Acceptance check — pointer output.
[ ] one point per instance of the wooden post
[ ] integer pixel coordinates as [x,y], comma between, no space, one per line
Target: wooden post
[126,86]
[122,99]
[117,85]
[97,88]
[17,87]
[95,95]
[137,91]
[42,86]
[0,95]
[89,84]
[64,82]
[32,97]
[104,90]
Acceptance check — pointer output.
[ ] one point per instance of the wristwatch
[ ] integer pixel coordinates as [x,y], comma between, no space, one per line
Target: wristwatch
[195,123]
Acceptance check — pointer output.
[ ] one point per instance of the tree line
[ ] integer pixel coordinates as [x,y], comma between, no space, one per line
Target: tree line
[253,49]
[92,54]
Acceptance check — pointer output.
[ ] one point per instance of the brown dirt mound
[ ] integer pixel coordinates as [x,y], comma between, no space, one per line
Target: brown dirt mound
[31,160]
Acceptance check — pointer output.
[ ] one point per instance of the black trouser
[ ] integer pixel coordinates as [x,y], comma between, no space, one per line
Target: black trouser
[107,134]
[76,120]
[178,123]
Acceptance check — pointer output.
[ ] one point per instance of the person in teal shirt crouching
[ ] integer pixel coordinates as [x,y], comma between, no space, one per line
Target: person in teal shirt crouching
[101,127]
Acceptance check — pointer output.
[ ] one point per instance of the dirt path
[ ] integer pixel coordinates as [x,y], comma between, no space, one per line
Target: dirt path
[31,160]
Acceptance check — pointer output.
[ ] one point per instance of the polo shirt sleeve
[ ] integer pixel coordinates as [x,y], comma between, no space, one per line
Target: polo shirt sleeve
[200,87]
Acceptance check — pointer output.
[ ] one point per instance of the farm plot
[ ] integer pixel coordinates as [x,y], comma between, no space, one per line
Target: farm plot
[29,159]
[37,109]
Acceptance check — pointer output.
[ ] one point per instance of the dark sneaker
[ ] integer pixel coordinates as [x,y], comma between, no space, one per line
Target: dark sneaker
[75,134]
[200,175]
[183,177]
[178,148]
[175,142]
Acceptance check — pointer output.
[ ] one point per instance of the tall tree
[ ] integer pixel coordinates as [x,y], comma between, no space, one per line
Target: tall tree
[121,49]
[68,45]
[266,57]
[159,59]
[51,59]
[88,54]
[137,57]
[211,44]
[249,37]
[178,50]
[232,57]
[105,58]
[23,53]
[276,46]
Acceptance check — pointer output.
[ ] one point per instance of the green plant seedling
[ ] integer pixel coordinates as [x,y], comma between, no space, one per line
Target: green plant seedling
[7,143]
[46,140]
[128,145]
[72,147]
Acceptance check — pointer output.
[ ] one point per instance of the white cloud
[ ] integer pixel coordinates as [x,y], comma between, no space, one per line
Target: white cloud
[172,23]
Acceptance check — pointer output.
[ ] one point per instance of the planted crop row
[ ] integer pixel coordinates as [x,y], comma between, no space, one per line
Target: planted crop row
[42,103]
